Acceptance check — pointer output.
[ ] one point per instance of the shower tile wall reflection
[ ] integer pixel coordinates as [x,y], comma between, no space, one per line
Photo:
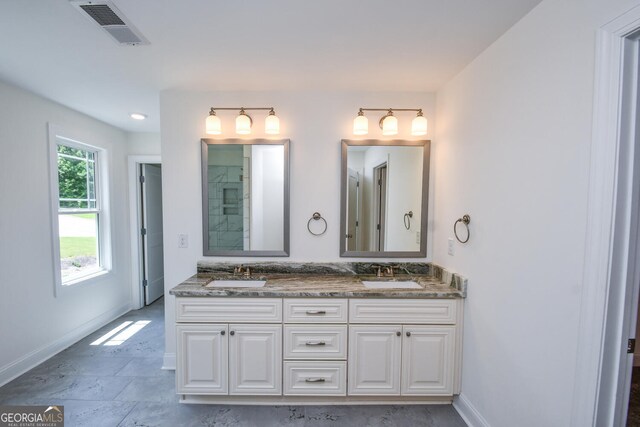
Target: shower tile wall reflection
[228,200]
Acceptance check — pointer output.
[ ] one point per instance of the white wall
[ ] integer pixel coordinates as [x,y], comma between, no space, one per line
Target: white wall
[267,197]
[314,121]
[143,143]
[33,323]
[512,150]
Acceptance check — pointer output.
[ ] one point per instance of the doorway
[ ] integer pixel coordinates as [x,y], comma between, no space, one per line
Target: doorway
[151,232]
[380,205]
[353,210]
[146,225]
[611,274]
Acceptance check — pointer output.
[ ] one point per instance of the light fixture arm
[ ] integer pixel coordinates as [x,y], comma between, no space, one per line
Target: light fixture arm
[243,108]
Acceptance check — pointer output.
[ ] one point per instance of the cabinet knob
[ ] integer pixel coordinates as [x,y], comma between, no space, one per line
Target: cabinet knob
[398,333]
[223,332]
[232,333]
[408,333]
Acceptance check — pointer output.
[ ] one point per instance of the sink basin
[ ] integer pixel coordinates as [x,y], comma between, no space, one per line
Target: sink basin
[236,283]
[400,284]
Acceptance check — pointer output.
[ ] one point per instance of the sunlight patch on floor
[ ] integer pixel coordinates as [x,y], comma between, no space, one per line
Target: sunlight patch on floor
[124,331]
[128,333]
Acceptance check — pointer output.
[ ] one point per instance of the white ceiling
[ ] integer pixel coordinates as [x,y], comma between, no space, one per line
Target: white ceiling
[48,47]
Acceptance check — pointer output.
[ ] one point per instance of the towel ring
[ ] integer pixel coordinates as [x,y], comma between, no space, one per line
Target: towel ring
[316,217]
[466,219]
[407,219]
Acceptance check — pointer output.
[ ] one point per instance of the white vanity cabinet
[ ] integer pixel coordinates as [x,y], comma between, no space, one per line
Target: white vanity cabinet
[315,346]
[414,356]
[318,350]
[229,358]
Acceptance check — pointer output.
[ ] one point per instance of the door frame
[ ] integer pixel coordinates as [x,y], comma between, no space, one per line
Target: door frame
[135,208]
[606,306]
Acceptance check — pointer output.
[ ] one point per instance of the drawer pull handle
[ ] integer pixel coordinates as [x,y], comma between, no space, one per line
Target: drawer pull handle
[316,312]
[314,380]
[314,343]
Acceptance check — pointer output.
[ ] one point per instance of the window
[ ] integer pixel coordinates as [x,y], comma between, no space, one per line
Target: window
[80,218]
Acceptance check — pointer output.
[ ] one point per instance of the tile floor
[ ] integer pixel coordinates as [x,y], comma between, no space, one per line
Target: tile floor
[123,385]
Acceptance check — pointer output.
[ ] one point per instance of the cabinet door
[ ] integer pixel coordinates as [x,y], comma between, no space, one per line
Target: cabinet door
[201,366]
[255,359]
[427,360]
[374,360]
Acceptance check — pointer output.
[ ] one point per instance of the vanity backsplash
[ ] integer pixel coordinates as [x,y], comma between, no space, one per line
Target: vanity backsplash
[338,268]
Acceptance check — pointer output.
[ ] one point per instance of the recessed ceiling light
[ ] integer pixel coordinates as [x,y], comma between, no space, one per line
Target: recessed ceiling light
[138,116]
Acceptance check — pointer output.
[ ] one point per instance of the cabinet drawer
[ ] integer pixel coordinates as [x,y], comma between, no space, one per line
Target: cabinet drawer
[315,342]
[227,310]
[315,378]
[315,310]
[414,311]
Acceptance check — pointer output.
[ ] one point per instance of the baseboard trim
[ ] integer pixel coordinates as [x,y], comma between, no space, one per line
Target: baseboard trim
[29,361]
[468,412]
[169,362]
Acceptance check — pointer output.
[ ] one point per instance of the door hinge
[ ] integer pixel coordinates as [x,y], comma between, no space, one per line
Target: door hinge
[356,223]
[357,184]
[142,179]
[143,231]
[379,182]
[378,227]
[145,283]
[631,345]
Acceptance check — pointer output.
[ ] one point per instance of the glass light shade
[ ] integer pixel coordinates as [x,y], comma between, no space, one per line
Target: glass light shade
[243,124]
[272,125]
[390,126]
[360,125]
[213,125]
[419,126]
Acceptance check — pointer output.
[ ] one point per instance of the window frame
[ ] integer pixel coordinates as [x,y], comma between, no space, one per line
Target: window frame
[59,136]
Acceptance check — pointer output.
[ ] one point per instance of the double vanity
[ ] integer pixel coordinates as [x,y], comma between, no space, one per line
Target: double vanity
[340,333]
[319,333]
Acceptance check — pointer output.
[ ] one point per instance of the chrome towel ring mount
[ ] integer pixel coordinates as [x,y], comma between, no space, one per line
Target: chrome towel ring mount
[317,217]
[407,219]
[465,220]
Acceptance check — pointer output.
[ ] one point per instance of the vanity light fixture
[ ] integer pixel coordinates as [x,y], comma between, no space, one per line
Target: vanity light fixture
[389,123]
[213,125]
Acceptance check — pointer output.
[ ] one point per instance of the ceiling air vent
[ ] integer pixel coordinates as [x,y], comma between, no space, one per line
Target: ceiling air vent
[110,19]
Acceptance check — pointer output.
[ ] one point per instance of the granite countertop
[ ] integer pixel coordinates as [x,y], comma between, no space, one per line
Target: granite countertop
[313,283]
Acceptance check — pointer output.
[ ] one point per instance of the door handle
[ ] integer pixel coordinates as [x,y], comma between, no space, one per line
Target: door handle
[315,343]
[314,380]
[222,332]
[316,312]
[232,333]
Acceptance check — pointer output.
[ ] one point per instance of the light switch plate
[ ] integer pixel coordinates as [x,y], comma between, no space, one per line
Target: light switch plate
[183,240]
[450,247]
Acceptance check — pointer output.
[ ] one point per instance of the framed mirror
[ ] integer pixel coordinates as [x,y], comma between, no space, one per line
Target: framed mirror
[245,197]
[384,198]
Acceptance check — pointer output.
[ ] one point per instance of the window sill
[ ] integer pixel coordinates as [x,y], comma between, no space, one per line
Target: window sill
[83,281]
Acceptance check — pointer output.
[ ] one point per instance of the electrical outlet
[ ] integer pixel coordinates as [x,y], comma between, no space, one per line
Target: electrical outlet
[183,240]
[450,247]
[418,237]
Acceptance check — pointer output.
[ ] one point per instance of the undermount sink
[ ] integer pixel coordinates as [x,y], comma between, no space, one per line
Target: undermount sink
[236,283]
[400,284]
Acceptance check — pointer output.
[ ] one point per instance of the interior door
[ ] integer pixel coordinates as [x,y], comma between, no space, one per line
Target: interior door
[153,265]
[380,206]
[353,210]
